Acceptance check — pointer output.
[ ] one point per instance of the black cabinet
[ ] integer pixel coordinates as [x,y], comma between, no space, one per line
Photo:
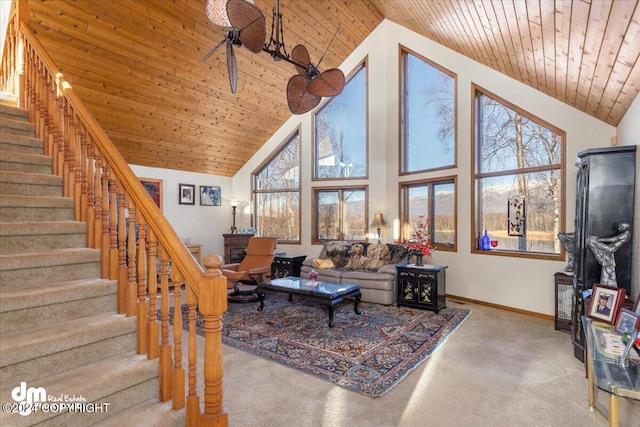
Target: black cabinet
[422,287]
[286,265]
[605,186]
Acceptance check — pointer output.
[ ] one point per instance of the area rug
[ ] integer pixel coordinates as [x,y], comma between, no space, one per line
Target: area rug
[367,353]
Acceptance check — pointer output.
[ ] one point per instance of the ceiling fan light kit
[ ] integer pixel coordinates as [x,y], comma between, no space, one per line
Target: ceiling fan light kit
[245,25]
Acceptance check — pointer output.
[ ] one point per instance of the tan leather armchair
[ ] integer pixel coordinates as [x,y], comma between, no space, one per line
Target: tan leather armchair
[244,277]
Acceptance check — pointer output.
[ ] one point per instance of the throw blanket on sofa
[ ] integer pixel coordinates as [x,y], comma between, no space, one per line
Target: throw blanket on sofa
[362,256]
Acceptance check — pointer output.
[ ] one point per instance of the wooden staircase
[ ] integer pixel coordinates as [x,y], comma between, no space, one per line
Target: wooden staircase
[59,328]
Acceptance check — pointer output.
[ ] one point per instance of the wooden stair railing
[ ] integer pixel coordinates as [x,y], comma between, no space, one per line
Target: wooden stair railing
[125,224]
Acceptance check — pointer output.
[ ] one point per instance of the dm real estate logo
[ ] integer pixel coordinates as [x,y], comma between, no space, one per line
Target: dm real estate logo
[28,398]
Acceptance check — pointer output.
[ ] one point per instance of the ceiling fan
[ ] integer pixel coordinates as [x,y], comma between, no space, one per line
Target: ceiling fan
[246,25]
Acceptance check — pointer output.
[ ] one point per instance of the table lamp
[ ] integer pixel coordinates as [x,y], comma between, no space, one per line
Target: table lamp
[379,222]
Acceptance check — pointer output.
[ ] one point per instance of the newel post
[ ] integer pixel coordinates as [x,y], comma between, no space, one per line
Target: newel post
[212,303]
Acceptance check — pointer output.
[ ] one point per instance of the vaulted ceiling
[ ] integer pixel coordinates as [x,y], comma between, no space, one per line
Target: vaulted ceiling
[138,65]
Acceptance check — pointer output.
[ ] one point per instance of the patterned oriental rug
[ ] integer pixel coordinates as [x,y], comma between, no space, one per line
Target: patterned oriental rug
[367,353]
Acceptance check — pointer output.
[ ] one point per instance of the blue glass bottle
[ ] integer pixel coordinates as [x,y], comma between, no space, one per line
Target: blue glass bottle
[486,241]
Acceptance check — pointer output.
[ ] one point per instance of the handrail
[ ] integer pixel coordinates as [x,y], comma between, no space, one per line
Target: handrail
[126,225]
[177,250]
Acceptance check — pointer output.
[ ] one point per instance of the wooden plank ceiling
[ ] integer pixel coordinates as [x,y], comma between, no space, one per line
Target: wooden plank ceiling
[137,63]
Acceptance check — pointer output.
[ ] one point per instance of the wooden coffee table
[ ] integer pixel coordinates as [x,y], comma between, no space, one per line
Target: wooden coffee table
[326,293]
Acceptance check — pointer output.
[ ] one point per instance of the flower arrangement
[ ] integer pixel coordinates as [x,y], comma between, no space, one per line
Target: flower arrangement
[420,241]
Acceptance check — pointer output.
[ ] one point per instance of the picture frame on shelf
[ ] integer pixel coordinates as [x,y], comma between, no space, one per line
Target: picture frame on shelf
[154,189]
[210,196]
[627,322]
[186,194]
[605,303]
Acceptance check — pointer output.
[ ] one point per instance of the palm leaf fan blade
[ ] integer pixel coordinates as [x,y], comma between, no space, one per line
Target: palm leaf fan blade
[298,98]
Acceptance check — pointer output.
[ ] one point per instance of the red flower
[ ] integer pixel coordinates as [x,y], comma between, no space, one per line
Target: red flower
[420,240]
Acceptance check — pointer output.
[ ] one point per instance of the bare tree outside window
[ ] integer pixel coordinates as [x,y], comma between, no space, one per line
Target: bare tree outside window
[277,194]
[340,214]
[429,115]
[340,143]
[517,155]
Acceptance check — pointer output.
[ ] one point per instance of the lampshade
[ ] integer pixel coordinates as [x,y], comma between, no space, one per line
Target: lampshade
[234,202]
[378,220]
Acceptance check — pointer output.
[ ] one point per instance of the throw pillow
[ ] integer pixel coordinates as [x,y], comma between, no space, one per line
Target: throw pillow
[323,263]
[379,252]
[398,253]
[338,252]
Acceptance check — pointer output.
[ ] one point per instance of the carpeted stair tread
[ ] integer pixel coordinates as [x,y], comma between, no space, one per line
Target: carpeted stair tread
[100,382]
[12,112]
[148,413]
[20,143]
[20,127]
[34,236]
[31,159]
[48,258]
[31,228]
[14,201]
[49,339]
[7,177]
[55,293]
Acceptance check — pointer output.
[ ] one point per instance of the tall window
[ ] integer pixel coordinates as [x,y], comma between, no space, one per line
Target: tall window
[434,200]
[340,144]
[428,115]
[276,193]
[518,178]
[340,214]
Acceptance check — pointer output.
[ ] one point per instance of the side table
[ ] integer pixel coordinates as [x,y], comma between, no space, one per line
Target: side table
[284,265]
[422,286]
[618,378]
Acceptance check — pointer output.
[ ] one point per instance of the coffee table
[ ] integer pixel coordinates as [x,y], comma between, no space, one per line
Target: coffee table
[326,293]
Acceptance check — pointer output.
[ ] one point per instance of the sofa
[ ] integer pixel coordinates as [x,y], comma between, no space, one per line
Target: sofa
[372,266]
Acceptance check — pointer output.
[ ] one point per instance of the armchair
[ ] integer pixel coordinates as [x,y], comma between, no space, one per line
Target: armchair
[244,277]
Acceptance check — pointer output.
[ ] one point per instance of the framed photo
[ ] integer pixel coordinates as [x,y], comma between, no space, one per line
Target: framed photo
[209,196]
[186,194]
[605,303]
[628,322]
[154,188]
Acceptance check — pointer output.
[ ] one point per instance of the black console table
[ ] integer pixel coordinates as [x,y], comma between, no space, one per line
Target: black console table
[422,287]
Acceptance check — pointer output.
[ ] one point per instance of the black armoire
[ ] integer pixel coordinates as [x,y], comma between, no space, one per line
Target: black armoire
[604,198]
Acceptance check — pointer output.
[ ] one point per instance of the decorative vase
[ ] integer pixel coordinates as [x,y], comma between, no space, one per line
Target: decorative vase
[418,259]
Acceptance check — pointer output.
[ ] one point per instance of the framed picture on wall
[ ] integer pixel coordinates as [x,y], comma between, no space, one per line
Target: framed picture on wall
[186,194]
[154,188]
[209,196]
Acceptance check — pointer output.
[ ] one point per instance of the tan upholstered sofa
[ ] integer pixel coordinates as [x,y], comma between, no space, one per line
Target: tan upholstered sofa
[372,266]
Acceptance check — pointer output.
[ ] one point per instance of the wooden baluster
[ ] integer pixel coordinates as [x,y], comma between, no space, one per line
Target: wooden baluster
[165,347]
[142,306]
[122,252]
[68,166]
[193,401]
[81,176]
[132,285]
[212,303]
[76,166]
[106,223]
[177,379]
[95,195]
[113,229]
[152,321]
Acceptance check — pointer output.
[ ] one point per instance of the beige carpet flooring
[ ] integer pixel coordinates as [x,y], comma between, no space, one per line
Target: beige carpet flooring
[497,369]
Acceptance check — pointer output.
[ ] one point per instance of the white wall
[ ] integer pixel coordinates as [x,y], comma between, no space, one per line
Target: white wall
[515,282]
[201,224]
[628,133]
